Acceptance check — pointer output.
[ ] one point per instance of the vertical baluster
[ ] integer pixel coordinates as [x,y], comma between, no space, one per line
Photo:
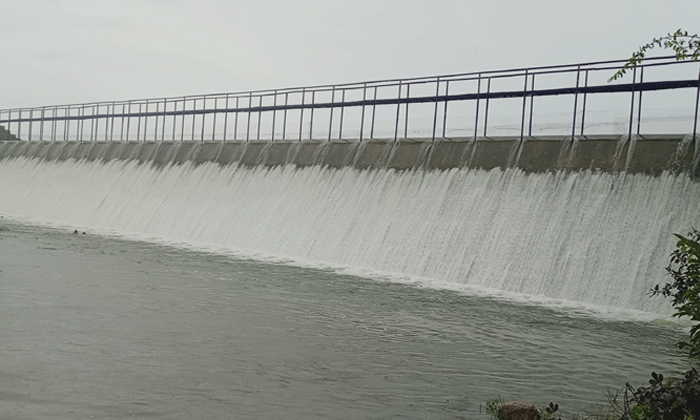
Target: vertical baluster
[522,118]
[405,128]
[532,106]
[486,106]
[250,107]
[301,117]
[213,123]
[284,122]
[374,109]
[311,118]
[260,102]
[41,126]
[31,120]
[583,110]
[274,115]
[476,111]
[235,123]
[444,117]
[437,94]
[342,114]
[194,118]
[398,110]
[634,84]
[145,122]
[362,118]
[330,120]
[639,104]
[204,115]
[226,118]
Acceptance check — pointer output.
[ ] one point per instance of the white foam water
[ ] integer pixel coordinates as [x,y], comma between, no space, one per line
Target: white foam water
[574,239]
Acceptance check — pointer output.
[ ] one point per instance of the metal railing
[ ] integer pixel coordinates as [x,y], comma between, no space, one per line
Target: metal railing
[447,106]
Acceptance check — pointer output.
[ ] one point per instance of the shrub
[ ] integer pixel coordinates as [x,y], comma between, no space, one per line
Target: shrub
[671,400]
[685,288]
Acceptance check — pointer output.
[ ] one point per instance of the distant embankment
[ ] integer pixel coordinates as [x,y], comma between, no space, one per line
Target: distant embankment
[6,135]
[649,155]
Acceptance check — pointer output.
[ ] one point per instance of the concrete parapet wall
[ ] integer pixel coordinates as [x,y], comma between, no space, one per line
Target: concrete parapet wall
[649,154]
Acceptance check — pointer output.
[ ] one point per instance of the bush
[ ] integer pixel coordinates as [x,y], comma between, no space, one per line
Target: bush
[685,288]
[672,400]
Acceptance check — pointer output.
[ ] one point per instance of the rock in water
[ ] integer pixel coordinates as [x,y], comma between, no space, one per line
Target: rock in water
[518,410]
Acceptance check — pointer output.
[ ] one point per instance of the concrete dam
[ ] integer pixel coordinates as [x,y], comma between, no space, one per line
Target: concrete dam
[431,197]
[650,156]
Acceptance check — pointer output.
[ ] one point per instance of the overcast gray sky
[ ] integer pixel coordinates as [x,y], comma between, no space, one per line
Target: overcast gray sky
[72,51]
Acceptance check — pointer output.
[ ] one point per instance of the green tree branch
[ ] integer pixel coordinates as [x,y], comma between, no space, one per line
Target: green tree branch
[685,47]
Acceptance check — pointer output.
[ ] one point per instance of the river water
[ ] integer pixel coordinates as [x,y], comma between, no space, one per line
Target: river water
[108,327]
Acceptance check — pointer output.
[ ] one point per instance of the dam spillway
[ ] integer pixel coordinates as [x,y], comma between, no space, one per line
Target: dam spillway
[585,223]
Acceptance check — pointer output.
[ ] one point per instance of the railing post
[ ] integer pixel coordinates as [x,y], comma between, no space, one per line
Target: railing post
[174,130]
[486,111]
[155,130]
[342,114]
[444,117]
[184,115]
[374,109]
[532,105]
[330,120]
[66,125]
[398,109]
[250,107]
[695,123]
[476,111]
[41,126]
[165,110]
[405,127]
[94,122]
[284,116]
[583,110]
[260,101]
[573,124]
[54,123]
[194,117]
[437,94]
[31,121]
[235,122]
[522,117]
[19,124]
[225,118]
[634,83]
[109,132]
[145,122]
[82,121]
[204,116]
[311,118]
[301,113]
[362,117]
[128,120]
[639,104]
[213,122]
[138,126]
[274,115]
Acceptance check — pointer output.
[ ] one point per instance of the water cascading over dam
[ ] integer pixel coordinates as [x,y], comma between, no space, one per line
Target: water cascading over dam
[564,224]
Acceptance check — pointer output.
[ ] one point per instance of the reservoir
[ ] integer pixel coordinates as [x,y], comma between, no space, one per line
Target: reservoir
[251,292]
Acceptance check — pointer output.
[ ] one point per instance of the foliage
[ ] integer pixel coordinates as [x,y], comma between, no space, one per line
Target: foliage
[671,400]
[684,46]
[551,412]
[492,407]
[685,288]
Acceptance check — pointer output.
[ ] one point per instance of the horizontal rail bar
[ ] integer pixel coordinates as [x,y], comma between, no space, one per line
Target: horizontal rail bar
[628,87]
[493,74]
